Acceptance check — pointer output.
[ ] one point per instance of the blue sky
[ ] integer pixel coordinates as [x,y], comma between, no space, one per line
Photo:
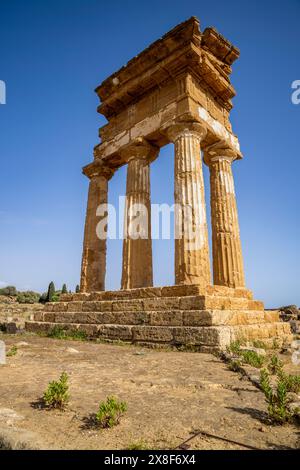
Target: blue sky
[54,53]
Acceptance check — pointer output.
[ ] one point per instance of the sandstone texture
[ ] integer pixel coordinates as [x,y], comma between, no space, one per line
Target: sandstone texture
[178,91]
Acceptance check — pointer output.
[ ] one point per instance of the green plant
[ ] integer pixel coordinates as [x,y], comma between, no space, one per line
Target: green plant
[259,344]
[9,290]
[28,297]
[277,400]
[56,297]
[110,412]
[252,358]
[57,393]
[138,445]
[292,382]
[12,352]
[234,347]
[64,289]
[51,292]
[275,344]
[43,298]
[77,290]
[275,365]
[234,365]
[57,332]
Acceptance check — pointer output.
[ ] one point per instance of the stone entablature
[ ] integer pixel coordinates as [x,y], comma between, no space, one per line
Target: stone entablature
[185,76]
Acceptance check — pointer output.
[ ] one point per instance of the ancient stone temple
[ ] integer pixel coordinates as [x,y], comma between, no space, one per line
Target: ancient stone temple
[176,91]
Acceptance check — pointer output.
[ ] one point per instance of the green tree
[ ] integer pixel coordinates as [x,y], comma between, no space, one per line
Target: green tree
[77,290]
[51,292]
[9,290]
[64,289]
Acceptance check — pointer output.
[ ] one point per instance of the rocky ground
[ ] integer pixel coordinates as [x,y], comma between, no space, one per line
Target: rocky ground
[171,396]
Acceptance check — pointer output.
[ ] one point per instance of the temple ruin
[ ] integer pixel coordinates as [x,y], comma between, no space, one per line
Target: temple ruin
[176,91]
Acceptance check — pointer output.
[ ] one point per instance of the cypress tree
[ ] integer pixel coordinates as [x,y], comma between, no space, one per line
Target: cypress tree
[51,292]
[77,290]
[64,289]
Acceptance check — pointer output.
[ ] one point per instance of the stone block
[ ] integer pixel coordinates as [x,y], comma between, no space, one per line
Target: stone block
[73,307]
[164,303]
[127,306]
[115,332]
[97,306]
[169,318]
[218,337]
[2,353]
[192,303]
[152,334]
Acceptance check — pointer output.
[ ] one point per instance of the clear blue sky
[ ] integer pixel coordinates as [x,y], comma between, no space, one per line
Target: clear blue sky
[54,53]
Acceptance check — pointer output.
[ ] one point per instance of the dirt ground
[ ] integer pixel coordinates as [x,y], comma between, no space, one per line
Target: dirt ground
[170,395]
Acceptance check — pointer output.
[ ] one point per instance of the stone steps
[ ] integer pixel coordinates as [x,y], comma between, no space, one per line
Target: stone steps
[207,318]
[161,318]
[154,292]
[202,337]
[197,302]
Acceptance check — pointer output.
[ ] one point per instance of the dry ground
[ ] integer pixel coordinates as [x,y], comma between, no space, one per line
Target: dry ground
[170,396]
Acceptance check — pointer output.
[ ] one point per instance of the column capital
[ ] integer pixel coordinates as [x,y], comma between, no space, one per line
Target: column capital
[179,129]
[218,152]
[98,168]
[140,148]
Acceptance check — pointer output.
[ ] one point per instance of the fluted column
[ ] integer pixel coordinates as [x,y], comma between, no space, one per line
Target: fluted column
[227,252]
[93,266]
[192,264]
[137,270]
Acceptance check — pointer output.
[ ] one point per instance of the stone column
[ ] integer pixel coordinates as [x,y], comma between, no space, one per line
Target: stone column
[93,266]
[192,264]
[137,270]
[227,253]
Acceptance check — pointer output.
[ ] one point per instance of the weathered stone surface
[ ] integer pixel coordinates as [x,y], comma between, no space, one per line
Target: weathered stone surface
[94,248]
[2,353]
[202,335]
[127,305]
[137,247]
[166,303]
[227,253]
[170,317]
[290,312]
[192,265]
[152,334]
[115,332]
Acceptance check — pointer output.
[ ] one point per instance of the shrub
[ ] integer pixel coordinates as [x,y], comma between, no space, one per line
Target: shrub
[138,445]
[234,365]
[57,393]
[12,352]
[77,290]
[252,358]
[234,347]
[277,400]
[110,412]
[292,382]
[259,344]
[43,298]
[59,333]
[56,296]
[9,290]
[275,365]
[28,297]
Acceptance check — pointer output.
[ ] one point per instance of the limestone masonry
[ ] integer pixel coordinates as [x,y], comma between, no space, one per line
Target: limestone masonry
[177,90]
